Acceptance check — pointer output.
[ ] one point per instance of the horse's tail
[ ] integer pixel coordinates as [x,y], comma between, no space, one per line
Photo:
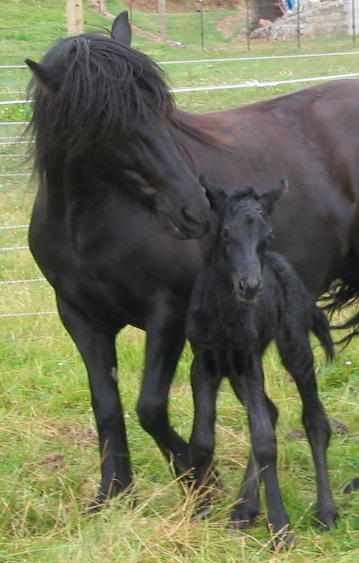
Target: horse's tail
[321,329]
[342,295]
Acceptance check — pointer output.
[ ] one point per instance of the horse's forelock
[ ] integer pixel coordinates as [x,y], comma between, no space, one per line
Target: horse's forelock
[105,89]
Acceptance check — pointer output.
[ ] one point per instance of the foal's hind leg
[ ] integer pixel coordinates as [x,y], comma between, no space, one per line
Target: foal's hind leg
[98,351]
[297,357]
[164,344]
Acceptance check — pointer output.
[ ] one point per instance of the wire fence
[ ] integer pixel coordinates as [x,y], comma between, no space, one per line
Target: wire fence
[250,20]
[245,25]
[205,23]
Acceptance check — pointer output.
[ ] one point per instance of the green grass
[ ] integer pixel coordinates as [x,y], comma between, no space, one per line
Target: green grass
[49,466]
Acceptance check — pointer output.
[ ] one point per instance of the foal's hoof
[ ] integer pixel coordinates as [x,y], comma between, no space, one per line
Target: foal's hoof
[281,540]
[241,524]
[327,520]
[202,512]
[203,503]
[352,486]
[96,505]
[243,517]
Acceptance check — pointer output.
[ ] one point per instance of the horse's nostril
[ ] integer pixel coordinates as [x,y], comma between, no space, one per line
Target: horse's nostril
[190,218]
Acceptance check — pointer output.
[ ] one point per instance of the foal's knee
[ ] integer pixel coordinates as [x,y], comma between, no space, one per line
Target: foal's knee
[265,448]
[317,424]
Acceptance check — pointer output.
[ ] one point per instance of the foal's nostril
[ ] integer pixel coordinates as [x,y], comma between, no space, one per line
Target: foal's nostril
[189,217]
[242,285]
[253,286]
[249,287]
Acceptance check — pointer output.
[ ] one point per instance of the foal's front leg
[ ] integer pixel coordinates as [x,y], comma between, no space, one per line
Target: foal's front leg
[264,446]
[205,381]
[247,507]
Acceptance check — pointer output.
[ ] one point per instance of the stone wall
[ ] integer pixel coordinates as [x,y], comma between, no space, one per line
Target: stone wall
[317,18]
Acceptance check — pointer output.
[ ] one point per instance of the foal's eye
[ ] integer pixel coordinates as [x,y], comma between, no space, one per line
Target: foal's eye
[225,234]
[269,237]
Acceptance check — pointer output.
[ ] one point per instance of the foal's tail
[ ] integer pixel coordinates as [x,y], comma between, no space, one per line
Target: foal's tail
[321,329]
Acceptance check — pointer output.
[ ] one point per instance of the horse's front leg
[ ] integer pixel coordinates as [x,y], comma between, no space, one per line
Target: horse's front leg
[98,352]
[164,344]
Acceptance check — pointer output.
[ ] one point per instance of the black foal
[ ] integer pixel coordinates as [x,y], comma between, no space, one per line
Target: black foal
[244,298]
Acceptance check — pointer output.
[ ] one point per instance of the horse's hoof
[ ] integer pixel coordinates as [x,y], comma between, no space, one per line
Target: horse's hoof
[352,486]
[103,499]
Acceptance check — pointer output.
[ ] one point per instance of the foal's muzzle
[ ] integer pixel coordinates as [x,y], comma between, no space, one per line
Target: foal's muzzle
[248,289]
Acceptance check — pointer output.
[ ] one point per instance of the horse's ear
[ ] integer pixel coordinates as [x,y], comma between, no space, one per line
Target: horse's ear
[121,29]
[44,76]
[216,196]
[270,197]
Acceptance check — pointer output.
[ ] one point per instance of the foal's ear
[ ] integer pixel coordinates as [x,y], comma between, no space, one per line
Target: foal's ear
[216,196]
[121,29]
[44,75]
[270,197]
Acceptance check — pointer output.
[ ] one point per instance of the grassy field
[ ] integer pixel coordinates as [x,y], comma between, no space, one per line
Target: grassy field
[48,456]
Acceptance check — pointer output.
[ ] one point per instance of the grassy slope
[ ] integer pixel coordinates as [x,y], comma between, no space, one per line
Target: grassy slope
[49,460]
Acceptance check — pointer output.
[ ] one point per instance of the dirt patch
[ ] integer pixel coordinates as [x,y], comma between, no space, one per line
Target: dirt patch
[232,26]
[54,461]
[100,7]
[77,436]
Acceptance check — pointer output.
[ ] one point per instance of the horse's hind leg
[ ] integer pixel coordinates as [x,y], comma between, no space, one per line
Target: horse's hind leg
[164,344]
[99,354]
[297,357]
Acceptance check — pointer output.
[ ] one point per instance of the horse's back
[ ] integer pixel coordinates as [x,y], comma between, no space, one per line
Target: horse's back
[311,139]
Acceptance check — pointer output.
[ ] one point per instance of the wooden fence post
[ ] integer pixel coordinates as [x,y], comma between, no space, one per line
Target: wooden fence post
[162,16]
[75,17]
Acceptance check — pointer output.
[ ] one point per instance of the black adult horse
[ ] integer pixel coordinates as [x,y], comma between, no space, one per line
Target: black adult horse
[119,206]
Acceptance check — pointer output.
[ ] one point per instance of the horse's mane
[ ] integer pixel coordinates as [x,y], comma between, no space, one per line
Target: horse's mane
[207,132]
[99,90]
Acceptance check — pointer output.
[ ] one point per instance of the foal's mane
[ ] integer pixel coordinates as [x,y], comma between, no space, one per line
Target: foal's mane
[99,91]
